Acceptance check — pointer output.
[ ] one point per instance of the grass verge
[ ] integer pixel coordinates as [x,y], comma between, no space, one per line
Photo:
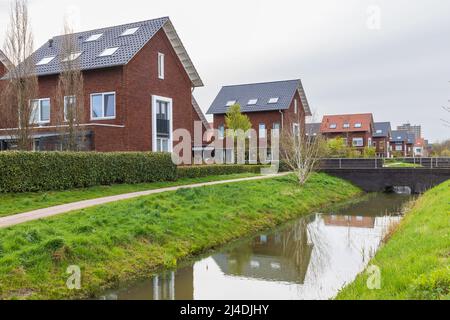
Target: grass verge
[122,241]
[13,203]
[414,262]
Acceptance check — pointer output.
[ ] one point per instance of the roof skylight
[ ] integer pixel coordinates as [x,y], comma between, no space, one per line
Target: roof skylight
[94,37]
[379,131]
[333,126]
[230,103]
[252,102]
[72,56]
[273,100]
[130,31]
[45,61]
[108,52]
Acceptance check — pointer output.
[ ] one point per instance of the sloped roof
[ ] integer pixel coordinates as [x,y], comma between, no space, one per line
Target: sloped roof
[4,60]
[382,129]
[112,37]
[399,136]
[199,111]
[365,119]
[411,138]
[263,92]
[312,128]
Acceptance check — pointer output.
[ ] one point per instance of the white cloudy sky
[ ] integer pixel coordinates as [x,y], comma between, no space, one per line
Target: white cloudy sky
[399,72]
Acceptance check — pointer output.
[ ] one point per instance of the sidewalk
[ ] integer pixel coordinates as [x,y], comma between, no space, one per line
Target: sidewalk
[56,210]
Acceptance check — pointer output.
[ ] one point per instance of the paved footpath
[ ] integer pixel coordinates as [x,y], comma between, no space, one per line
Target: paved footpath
[56,210]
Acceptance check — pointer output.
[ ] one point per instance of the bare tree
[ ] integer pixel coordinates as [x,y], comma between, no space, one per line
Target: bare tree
[70,93]
[21,86]
[300,150]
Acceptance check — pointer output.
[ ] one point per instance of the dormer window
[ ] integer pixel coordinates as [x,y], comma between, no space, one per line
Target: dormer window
[108,52]
[45,61]
[358,125]
[273,100]
[333,126]
[230,103]
[94,37]
[379,131]
[252,102]
[129,32]
[346,125]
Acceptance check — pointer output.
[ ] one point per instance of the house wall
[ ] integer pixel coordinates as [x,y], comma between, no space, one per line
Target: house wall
[402,144]
[142,82]
[3,70]
[134,85]
[349,136]
[381,145]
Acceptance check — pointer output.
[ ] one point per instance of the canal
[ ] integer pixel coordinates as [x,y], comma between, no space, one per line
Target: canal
[309,258]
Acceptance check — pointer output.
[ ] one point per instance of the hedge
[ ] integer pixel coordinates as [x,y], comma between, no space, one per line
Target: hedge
[42,171]
[216,170]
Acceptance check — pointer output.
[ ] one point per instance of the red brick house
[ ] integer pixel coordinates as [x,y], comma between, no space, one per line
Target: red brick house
[399,143]
[138,84]
[381,138]
[356,129]
[269,105]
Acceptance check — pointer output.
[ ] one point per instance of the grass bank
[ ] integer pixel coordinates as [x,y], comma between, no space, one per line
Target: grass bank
[13,203]
[128,239]
[415,261]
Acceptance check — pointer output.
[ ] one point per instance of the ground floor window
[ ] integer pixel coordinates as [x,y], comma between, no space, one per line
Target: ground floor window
[398,148]
[358,142]
[162,124]
[162,145]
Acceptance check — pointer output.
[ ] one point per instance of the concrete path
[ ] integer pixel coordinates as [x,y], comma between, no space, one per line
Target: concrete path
[56,210]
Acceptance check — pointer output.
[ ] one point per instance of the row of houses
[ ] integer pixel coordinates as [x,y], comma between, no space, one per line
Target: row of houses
[138,89]
[361,131]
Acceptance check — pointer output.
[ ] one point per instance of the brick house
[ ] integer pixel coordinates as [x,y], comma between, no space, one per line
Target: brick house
[138,84]
[381,137]
[356,129]
[5,64]
[269,105]
[398,143]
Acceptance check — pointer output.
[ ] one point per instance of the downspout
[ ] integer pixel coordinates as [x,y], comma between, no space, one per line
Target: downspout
[282,118]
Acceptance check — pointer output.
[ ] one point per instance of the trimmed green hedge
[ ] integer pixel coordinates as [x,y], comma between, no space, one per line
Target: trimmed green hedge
[42,171]
[216,170]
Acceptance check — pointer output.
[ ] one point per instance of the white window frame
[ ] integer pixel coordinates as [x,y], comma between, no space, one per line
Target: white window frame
[72,56]
[346,125]
[295,126]
[230,103]
[356,145]
[103,94]
[273,100]
[40,121]
[295,106]
[161,65]
[398,147]
[169,101]
[65,106]
[129,31]
[333,126]
[252,102]
[358,125]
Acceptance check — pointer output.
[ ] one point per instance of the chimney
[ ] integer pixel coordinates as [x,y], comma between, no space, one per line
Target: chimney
[50,43]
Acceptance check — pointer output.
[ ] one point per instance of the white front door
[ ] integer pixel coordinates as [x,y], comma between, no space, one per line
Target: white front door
[162,124]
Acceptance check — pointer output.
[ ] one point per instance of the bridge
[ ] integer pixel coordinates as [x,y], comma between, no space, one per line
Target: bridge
[372,175]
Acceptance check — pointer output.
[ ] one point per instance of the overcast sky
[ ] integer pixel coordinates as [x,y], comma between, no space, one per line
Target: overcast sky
[388,57]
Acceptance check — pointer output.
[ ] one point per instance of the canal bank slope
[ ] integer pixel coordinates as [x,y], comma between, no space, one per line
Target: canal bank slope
[415,262]
[121,241]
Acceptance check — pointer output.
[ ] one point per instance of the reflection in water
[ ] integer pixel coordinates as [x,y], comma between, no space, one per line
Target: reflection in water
[311,258]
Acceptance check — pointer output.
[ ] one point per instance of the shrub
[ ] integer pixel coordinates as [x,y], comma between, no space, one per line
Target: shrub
[432,286]
[216,170]
[41,171]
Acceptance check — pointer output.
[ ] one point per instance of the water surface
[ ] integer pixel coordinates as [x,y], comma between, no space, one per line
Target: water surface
[309,258]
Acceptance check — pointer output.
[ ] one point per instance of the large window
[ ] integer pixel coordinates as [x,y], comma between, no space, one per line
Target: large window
[160,65]
[295,106]
[399,147]
[40,112]
[221,130]
[262,130]
[358,142]
[103,106]
[70,107]
[296,129]
[162,138]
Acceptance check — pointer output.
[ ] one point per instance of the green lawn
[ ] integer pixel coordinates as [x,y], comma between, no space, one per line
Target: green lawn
[400,164]
[128,239]
[13,203]
[415,261]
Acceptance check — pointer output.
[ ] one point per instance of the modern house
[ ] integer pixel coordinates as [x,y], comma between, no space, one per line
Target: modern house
[410,142]
[138,84]
[271,105]
[420,148]
[356,129]
[398,143]
[381,138]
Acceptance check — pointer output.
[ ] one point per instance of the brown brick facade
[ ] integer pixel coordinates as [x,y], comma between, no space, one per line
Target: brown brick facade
[134,85]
